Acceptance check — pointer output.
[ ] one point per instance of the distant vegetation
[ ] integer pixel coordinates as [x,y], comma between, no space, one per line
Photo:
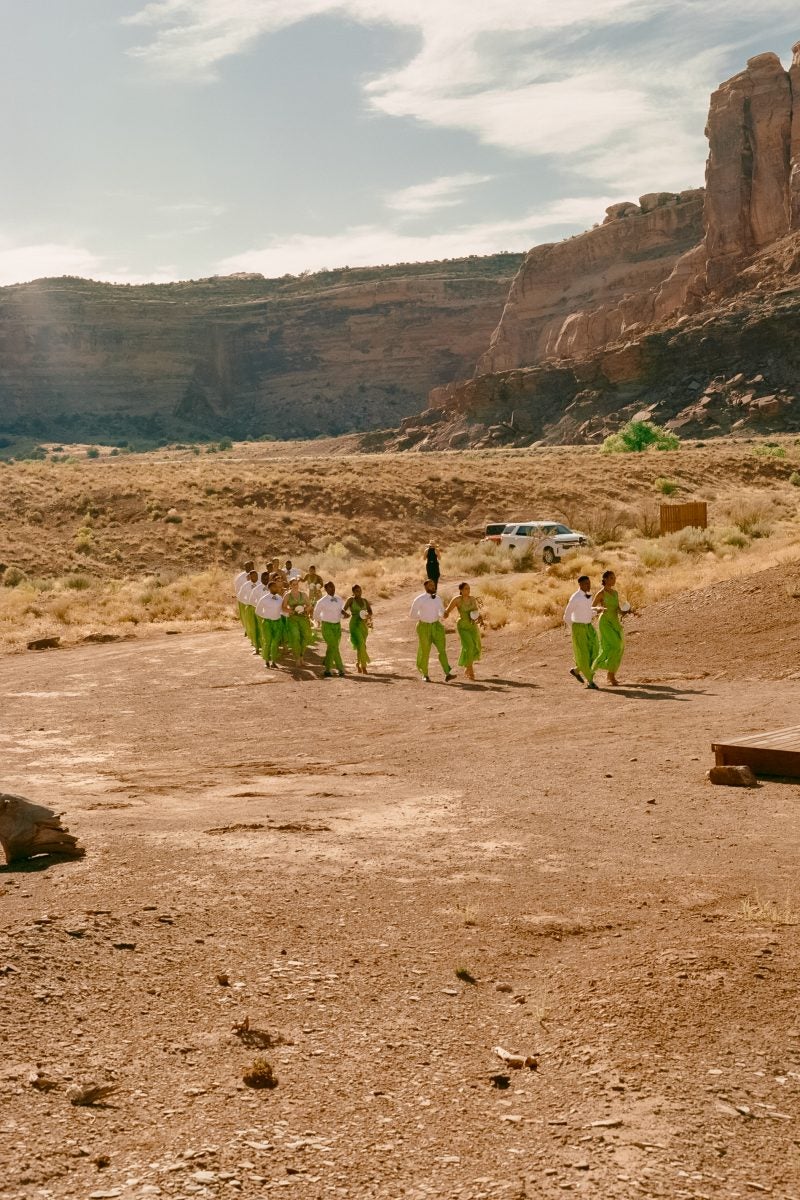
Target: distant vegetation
[637,436]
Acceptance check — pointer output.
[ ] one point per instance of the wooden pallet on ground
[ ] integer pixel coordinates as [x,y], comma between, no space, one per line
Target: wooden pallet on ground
[774,753]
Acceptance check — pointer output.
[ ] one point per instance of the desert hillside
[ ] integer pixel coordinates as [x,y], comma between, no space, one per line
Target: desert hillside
[241,356]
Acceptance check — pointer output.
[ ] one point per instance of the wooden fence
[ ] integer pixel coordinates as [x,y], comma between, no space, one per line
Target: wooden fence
[681,516]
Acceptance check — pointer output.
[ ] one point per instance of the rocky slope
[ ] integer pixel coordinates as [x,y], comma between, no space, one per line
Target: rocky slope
[242,356]
[682,310]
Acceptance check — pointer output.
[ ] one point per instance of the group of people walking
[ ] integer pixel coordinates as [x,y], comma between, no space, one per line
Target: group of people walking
[278,605]
[284,612]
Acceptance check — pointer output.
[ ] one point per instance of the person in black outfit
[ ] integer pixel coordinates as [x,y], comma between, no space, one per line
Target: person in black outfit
[432,564]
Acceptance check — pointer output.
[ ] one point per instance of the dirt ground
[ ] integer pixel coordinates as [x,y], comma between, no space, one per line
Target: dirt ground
[323,857]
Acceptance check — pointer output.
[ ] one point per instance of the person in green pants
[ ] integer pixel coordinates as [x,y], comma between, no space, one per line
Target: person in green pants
[428,610]
[609,628]
[270,623]
[328,611]
[578,617]
[297,629]
[249,612]
[360,612]
[468,626]
[242,577]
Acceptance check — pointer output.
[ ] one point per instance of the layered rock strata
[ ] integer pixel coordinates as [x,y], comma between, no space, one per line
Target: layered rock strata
[241,356]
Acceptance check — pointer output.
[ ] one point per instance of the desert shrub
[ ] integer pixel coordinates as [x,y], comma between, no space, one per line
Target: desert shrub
[173,519]
[770,450]
[77,583]
[93,452]
[13,577]
[657,554]
[84,539]
[794,479]
[225,444]
[667,487]
[602,525]
[648,521]
[752,519]
[730,535]
[637,436]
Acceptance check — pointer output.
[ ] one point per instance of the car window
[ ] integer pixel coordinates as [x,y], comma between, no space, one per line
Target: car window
[549,530]
[509,529]
[524,530]
[563,529]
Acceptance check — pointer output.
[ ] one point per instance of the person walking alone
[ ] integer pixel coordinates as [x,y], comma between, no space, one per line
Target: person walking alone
[328,611]
[578,618]
[432,570]
[428,611]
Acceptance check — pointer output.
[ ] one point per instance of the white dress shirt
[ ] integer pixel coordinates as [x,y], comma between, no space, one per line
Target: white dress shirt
[579,609]
[256,592]
[269,606]
[329,610]
[293,574]
[238,581]
[427,608]
[244,591]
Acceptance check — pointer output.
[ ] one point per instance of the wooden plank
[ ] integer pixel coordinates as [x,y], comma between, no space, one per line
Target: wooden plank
[682,516]
[775,752]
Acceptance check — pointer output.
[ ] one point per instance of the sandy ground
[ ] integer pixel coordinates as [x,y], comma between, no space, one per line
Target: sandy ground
[339,849]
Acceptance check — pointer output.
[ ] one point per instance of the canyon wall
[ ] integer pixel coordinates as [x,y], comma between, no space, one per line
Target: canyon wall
[241,356]
[685,308]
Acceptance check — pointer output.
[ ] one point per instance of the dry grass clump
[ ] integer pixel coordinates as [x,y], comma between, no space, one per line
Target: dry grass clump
[770,912]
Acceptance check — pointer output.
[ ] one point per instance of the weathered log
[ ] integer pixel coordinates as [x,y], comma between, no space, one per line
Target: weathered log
[28,829]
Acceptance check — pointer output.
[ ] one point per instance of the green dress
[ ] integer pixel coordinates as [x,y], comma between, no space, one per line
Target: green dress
[468,632]
[359,630]
[298,631]
[612,637]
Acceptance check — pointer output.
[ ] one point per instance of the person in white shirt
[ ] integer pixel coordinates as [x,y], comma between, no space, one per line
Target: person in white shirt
[270,623]
[292,572]
[578,617]
[237,583]
[249,614]
[428,611]
[328,611]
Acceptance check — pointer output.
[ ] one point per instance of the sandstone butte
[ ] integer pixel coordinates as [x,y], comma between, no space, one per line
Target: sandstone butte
[683,308]
[241,355]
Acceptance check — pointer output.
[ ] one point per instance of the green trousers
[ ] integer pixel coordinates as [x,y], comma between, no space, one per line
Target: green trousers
[332,635]
[241,614]
[584,648]
[431,633]
[251,624]
[358,639]
[270,636]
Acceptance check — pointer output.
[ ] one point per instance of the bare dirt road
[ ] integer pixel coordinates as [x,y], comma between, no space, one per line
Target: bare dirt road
[335,851]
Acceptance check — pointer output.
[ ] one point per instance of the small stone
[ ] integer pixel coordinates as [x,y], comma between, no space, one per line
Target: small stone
[503,987]
[204,1176]
[124,945]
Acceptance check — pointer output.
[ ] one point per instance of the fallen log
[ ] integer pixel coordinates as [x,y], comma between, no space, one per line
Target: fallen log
[28,829]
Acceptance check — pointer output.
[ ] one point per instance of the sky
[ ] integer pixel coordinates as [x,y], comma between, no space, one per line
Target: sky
[180,139]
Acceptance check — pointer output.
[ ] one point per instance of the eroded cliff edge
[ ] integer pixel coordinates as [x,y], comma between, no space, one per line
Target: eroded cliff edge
[241,356]
[682,308]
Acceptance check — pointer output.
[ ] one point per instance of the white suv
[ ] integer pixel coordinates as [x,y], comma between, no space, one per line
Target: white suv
[548,540]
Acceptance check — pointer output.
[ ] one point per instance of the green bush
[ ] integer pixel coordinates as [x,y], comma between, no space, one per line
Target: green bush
[667,487]
[93,452]
[640,435]
[770,450]
[225,444]
[794,479]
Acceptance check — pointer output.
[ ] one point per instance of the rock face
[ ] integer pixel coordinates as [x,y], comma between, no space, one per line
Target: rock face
[242,356]
[681,308]
[573,296]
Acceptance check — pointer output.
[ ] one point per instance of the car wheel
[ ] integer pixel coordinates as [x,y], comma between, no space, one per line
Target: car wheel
[549,556]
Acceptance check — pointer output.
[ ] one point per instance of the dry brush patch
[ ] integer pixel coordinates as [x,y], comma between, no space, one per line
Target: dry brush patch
[126,545]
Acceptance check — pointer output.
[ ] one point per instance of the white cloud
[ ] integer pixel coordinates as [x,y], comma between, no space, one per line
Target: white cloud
[40,260]
[584,81]
[372,245]
[445,192]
